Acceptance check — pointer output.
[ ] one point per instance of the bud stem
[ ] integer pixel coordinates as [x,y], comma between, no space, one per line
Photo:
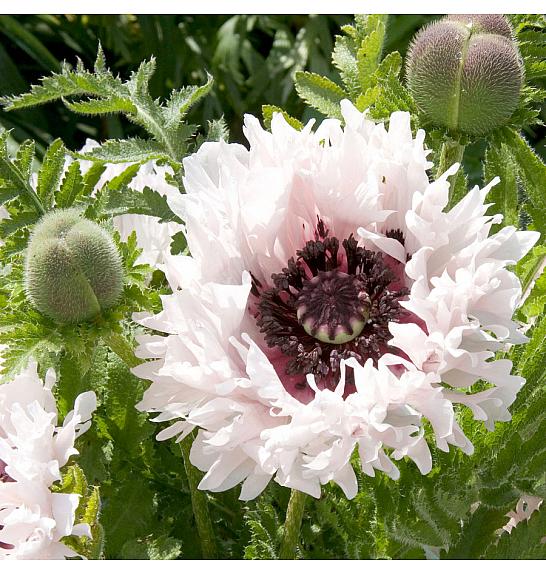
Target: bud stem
[452,151]
[199,503]
[292,525]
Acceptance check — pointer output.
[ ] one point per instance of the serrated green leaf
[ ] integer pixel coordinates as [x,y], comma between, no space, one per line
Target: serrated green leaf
[124,178]
[98,106]
[525,541]
[128,514]
[91,178]
[320,93]
[533,174]
[264,526]
[531,364]
[8,191]
[14,182]
[161,548]
[16,222]
[344,58]
[504,195]
[92,507]
[368,98]
[476,533]
[530,270]
[126,200]
[126,151]
[391,65]
[25,157]
[138,84]
[182,100]
[178,243]
[73,481]
[71,186]
[50,173]
[268,111]
[536,300]
[57,86]
[368,56]
[217,130]
[104,93]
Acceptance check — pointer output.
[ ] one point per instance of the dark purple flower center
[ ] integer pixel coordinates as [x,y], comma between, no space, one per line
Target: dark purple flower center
[329,304]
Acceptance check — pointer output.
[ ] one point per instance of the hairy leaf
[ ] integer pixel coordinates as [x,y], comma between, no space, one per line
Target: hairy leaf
[320,93]
[268,112]
[125,151]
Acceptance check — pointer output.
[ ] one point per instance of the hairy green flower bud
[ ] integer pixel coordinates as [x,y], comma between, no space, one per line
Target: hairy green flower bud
[73,268]
[465,72]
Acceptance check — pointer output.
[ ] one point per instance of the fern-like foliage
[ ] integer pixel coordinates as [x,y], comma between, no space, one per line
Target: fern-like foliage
[530,32]
[99,92]
[369,81]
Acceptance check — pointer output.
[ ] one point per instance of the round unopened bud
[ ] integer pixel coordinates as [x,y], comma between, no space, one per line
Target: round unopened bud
[465,72]
[73,268]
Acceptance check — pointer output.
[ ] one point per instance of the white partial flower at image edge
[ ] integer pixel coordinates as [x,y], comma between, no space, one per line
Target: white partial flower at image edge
[33,450]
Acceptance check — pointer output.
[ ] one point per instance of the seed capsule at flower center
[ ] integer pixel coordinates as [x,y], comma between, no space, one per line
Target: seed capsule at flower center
[332,307]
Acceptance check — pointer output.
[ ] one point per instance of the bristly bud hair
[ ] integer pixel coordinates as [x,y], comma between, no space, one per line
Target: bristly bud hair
[73,269]
[465,72]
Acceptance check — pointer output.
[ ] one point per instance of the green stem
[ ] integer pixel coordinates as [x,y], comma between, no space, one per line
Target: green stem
[534,273]
[199,503]
[292,525]
[157,129]
[452,152]
[121,347]
[27,188]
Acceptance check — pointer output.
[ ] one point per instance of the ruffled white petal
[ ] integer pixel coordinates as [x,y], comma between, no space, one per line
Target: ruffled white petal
[247,211]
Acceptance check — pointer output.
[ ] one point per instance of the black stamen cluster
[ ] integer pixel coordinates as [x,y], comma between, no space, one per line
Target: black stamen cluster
[277,306]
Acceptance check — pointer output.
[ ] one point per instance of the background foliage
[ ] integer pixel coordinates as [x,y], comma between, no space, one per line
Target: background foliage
[252,59]
[458,510]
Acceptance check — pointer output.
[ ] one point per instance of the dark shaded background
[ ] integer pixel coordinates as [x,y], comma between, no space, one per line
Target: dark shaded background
[252,58]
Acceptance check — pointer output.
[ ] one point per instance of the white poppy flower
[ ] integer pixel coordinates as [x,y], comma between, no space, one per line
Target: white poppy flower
[331,303]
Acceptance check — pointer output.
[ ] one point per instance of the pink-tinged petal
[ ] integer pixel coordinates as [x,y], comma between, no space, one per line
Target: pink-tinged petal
[242,354]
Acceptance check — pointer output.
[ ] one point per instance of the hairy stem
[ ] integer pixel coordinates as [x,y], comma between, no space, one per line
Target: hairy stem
[292,525]
[452,151]
[534,273]
[199,503]
[27,188]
